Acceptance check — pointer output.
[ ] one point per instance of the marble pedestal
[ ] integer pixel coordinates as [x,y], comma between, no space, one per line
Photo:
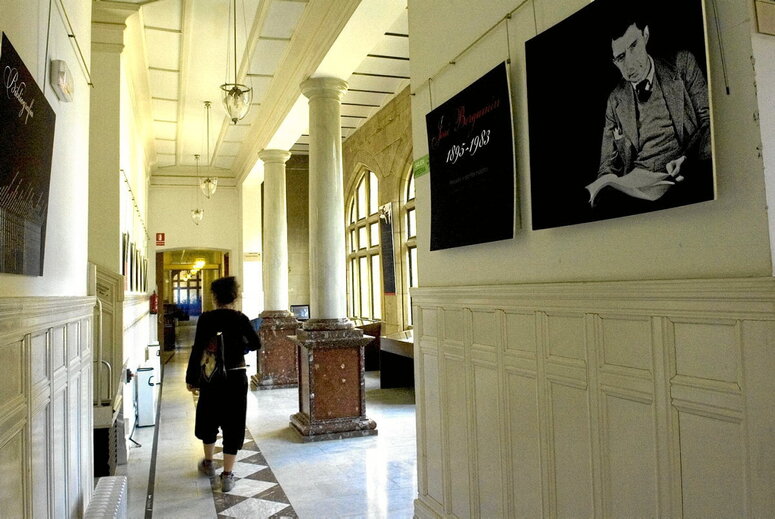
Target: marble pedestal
[332,392]
[278,358]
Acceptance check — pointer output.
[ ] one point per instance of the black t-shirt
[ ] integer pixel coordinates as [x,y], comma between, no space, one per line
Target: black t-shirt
[239,337]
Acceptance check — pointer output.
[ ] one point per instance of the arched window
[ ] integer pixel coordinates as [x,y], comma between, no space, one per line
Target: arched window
[409,245]
[364,280]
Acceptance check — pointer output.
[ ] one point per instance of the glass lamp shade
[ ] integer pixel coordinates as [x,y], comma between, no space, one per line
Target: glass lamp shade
[208,186]
[236,100]
[197,215]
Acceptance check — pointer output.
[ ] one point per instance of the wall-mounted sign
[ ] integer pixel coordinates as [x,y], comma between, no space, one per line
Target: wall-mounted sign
[26,144]
[160,239]
[421,166]
[471,148]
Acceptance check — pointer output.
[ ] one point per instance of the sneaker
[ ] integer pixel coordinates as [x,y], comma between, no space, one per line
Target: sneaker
[227,481]
[207,467]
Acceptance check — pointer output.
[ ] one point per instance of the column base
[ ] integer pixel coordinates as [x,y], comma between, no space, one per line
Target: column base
[278,356]
[332,392]
[323,430]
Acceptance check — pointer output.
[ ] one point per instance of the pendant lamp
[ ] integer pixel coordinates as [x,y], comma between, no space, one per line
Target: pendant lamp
[209,184]
[236,96]
[197,214]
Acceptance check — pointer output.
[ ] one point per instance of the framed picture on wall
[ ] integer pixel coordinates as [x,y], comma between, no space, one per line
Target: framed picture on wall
[619,112]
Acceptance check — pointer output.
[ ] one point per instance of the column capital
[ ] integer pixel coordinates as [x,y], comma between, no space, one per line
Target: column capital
[330,87]
[274,156]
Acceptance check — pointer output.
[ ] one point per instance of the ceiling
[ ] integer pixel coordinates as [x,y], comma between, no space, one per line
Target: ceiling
[188,44]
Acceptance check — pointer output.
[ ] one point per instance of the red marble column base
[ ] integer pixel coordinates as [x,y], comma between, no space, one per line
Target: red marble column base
[323,430]
[332,393]
[278,358]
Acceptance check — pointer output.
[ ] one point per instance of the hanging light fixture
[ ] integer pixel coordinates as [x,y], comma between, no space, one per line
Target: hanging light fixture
[236,97]
[197,214]
[209,184]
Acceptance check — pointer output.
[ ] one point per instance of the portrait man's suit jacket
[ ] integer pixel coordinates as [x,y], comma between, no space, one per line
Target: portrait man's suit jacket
[686,95]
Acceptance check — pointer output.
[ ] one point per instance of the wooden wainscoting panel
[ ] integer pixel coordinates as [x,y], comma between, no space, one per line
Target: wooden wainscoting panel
[626,342]
[611,399]
[13,466]
[39,358]
[73,341]
[759,384]
[73,452]
[707,349]
[520,334]
[485,330]
[41,445]
[430,320]
[58,469]
[523,445]
[45,380]
[429,428]
[488,417]
[571,446]
[86,431]
[629,457]
[565,337]
[454,326]
[85,339]
[58,353]
[712,467]
[13,377]
[456,433]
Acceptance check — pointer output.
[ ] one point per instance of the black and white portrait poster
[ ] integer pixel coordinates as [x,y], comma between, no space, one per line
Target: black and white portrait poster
[26,144]
[471,153]
[618,109]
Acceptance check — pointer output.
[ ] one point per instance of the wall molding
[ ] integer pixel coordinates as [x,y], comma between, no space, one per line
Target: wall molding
[38,313]
[46,419]
[595,399]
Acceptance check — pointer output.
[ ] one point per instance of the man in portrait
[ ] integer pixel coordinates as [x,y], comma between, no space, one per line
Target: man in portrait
[656,142]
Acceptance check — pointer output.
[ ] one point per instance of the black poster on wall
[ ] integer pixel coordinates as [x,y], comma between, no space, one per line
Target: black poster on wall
[386,249]
[26,143]
[623,127]
[471,149]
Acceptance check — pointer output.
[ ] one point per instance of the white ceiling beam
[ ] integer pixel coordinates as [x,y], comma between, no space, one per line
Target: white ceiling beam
[247,56]
[318,29]
[187,27]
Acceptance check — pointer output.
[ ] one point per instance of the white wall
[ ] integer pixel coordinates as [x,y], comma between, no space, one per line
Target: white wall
[726,237]
[25,24]
[221,228]
[252,281]
[764,59]
[623,396]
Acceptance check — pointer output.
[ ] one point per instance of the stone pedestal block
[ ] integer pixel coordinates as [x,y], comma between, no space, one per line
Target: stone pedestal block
[332,392]
[278,358]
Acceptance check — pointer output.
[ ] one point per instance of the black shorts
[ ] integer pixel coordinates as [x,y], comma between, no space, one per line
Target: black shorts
[223,406]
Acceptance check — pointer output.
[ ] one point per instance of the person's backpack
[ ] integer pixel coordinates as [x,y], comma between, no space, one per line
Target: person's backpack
[213,366]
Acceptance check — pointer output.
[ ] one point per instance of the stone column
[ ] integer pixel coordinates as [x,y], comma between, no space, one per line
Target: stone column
[278,356]
[332,402]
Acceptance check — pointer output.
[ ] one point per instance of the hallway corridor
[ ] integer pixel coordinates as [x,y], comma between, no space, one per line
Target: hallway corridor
[278,475]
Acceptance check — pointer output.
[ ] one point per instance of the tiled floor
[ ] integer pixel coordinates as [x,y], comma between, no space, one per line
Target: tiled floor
[371,477]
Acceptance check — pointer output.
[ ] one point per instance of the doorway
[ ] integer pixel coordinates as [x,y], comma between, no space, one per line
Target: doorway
[183,277]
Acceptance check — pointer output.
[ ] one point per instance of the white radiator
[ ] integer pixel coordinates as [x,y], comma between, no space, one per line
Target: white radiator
[109,499]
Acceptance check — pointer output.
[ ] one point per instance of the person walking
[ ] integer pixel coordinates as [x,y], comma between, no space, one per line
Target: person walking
[216,369]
